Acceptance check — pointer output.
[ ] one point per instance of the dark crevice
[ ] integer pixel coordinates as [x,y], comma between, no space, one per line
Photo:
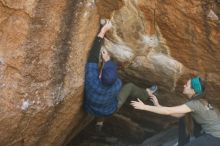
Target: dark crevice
[60,59]
[62,46]
[205,7]
[33,50]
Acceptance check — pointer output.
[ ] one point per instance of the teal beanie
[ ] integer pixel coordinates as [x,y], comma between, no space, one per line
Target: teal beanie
[196,85]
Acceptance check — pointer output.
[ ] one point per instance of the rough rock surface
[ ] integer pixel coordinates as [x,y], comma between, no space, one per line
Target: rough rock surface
[43,50]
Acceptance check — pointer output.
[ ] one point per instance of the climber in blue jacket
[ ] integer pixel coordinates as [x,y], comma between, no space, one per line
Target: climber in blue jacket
[101,85]
[103,92]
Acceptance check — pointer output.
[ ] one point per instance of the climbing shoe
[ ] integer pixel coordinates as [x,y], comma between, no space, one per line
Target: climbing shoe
[98,128]
[153,89]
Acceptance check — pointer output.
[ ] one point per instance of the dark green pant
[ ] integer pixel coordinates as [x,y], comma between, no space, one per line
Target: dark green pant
[131,91]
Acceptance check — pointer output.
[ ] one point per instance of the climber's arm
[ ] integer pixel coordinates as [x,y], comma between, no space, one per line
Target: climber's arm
[156,103]
[177,115]
[94,52]
[172,111]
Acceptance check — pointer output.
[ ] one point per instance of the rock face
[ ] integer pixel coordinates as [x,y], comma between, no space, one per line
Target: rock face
[43,50]
[165,42]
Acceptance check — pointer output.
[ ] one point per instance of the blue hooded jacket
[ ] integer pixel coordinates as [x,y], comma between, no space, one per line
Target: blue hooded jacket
[100,100]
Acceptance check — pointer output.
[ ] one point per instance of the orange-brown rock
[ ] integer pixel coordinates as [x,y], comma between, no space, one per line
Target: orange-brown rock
[165,41]
[43,50]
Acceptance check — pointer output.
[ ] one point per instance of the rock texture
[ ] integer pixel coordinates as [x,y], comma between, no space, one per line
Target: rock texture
[43,50]
[166,41]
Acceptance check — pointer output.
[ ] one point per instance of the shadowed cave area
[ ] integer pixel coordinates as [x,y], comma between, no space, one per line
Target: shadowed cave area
[127,130]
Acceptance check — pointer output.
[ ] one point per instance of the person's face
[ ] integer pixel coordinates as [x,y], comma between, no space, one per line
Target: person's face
[105,55]
[188,90]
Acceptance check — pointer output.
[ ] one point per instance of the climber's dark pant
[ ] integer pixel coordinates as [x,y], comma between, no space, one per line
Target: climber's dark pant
[95,50]
[184,138]
[205,140]
[130,91]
